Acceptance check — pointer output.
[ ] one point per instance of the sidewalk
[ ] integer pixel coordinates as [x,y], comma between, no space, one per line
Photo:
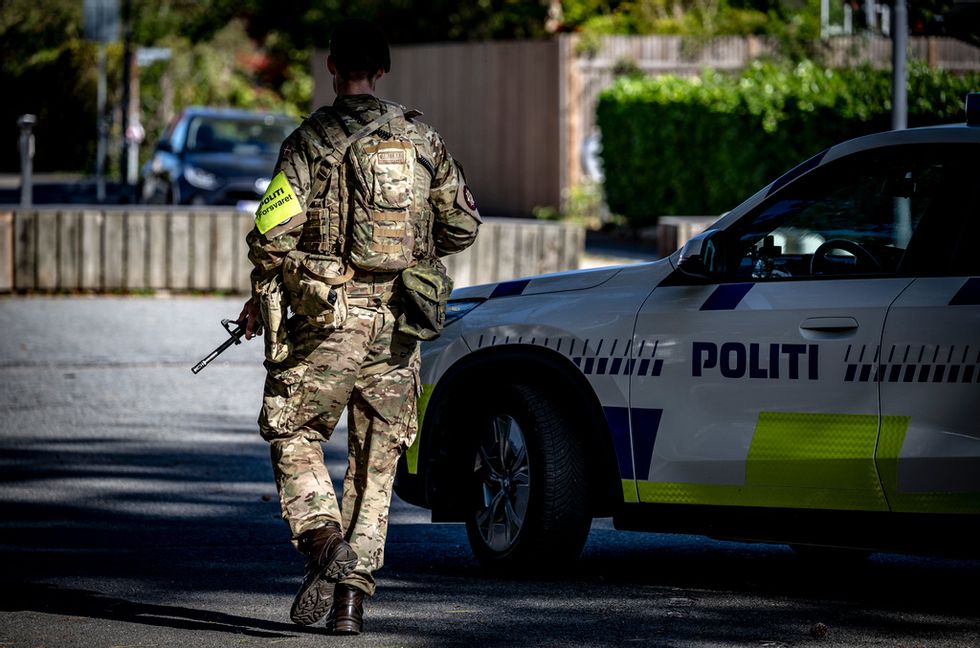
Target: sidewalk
[59,189]
[605,250]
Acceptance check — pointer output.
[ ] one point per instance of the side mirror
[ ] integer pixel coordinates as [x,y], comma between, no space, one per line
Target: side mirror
[701,256]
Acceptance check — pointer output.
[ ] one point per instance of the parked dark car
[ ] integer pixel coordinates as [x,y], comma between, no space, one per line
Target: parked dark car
[214,156]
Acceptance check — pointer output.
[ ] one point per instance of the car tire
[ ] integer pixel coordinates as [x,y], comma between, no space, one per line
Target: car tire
[529,500]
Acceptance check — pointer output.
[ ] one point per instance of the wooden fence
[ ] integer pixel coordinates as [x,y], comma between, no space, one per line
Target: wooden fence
[495,104]
[519,114]
[81,248]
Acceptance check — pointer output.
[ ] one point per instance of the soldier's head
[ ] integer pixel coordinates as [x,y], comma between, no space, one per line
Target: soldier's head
[358,52]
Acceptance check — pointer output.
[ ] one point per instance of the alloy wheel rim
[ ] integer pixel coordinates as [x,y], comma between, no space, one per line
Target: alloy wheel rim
[504,480]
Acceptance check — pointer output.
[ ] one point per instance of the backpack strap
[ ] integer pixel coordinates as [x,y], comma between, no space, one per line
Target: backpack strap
[339,143]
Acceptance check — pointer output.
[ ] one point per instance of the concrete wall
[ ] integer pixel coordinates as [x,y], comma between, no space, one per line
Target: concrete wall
[97,249]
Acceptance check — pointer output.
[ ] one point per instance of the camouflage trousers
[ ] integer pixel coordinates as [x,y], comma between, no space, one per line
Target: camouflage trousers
[365,365]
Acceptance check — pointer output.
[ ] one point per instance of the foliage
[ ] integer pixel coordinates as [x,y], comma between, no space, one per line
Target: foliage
[257,53]
[583,206]
[672,145]
[215,60]
[704,18]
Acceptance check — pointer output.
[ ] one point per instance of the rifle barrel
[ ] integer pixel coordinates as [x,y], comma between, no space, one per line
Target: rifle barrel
[235,339]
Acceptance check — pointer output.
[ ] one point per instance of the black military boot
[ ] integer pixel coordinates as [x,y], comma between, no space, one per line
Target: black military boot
[348,610]
[328,559]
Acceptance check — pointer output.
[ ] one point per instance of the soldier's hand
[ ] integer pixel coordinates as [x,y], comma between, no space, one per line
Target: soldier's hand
[250,316]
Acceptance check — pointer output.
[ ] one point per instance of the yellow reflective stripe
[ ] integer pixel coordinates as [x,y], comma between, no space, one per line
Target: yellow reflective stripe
[412,454]
[278,205]
[629,491]
[799,450]
[893,431]
[762,496]
[798,460]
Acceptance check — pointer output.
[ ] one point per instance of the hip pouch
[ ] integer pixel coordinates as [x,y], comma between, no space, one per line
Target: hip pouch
[316,287]
[272,308]
[425,291]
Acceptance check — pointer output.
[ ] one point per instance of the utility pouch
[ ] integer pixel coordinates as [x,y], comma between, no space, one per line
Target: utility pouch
[316,287]
[425,291]
[272,308]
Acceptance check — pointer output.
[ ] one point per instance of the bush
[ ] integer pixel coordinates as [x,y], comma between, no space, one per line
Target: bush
[672,145]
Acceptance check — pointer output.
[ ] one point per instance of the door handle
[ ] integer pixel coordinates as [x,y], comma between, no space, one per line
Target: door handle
[829,324]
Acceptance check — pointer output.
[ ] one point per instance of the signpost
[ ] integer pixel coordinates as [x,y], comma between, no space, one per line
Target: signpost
[900,43]
[102,26]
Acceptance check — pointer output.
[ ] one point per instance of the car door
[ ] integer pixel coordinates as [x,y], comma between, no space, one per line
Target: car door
[761,387]
[929,374]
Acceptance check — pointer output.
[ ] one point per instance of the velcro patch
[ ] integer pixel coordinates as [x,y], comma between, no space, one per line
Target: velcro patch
[278,205]
[391,156]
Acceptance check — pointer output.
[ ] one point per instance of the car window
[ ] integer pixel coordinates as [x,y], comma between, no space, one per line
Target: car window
[239,136]
[852,217]
[179,135]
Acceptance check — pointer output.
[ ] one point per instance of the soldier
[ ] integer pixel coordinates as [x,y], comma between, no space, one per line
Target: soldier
[362,193]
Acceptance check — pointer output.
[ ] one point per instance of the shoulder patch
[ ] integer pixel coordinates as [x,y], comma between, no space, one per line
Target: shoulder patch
[278,205]
[464,197]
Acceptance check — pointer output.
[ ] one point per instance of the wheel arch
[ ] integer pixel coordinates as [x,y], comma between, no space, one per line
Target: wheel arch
[442,449]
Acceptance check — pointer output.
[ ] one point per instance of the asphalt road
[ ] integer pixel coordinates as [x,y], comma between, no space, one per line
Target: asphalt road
[137,509]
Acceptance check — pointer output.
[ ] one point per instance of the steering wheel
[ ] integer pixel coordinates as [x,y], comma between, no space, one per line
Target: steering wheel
[861,255]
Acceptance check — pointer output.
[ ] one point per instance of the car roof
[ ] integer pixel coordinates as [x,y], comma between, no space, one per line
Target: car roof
[943,134]
[233,113]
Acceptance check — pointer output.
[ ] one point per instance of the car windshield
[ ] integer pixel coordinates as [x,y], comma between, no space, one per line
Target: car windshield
[241,136]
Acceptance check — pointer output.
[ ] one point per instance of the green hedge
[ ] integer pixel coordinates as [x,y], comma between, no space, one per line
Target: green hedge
[673,145]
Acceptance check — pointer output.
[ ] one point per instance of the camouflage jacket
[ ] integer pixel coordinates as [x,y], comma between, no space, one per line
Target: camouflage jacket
[302,220]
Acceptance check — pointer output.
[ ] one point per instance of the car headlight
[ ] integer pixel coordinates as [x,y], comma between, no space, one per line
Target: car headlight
[456,308]
[200,178]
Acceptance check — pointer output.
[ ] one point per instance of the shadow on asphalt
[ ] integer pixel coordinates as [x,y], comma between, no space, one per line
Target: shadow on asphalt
[79,603]
[202,522]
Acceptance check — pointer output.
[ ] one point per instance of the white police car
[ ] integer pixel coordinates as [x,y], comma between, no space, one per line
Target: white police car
[807,371]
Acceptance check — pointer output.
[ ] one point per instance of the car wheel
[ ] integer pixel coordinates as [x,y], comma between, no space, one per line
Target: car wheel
[530,496]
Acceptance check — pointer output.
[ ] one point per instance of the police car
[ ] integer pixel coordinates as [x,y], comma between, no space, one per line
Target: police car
[807,371]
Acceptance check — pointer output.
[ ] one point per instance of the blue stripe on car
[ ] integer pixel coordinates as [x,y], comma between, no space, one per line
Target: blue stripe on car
[619,429]
[634,433]
[726,296]
[644,424]
[509,288]
[968,294]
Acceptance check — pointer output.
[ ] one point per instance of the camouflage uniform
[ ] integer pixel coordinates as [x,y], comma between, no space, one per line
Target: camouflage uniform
[359,361]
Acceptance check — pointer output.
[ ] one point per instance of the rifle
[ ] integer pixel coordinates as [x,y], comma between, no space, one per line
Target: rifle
[236,338]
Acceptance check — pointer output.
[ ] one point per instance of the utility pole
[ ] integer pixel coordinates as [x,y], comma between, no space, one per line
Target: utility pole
[102,26]
[100,147]
[125,172]
[900,40]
